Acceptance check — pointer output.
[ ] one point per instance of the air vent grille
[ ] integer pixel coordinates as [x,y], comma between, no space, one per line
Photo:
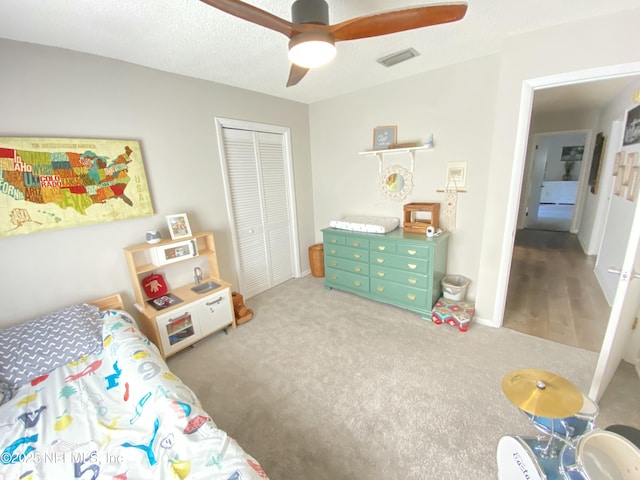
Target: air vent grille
[398,57]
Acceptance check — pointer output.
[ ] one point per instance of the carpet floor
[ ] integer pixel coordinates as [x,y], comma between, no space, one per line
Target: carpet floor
[322,384]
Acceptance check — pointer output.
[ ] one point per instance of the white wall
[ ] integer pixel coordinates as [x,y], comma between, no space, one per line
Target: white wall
[582,45]
[48,92]
[455,104]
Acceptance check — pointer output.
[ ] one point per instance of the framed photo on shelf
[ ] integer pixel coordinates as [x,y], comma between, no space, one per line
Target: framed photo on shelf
[178,226]
[384,137]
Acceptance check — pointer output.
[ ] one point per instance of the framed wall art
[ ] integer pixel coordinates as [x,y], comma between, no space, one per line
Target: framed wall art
[456,175]
[596,163]
[632,127]
[52,183]
[178,226]
[384,137]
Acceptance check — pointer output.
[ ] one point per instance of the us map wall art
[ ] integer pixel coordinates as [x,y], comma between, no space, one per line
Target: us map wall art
[49,183]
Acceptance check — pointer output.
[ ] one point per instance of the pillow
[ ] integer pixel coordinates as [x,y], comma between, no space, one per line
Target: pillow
[5,393]
[41,345]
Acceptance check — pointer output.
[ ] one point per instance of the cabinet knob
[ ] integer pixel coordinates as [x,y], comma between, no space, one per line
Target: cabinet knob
[333,264]
[356,244]
[412,266]
[381,247]
[333,252]
[380,289]
[412,281]
[380,260]
[356,255]
[380,274]
[411,252]
[357,269]
[357,284]
[411,296]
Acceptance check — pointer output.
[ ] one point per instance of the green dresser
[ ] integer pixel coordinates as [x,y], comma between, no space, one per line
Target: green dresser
[400,268]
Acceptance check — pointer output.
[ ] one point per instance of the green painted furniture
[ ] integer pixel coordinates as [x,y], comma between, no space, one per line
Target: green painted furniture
[400,268]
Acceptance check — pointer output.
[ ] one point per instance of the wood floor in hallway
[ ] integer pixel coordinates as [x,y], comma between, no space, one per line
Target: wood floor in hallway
[553,292]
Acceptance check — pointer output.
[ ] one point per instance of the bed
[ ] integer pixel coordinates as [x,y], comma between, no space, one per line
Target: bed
[86,395]
[366,224]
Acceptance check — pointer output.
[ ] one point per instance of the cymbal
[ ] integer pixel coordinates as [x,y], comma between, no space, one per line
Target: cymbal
[542,393]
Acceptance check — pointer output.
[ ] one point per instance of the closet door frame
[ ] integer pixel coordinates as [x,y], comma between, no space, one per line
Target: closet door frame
[222,123]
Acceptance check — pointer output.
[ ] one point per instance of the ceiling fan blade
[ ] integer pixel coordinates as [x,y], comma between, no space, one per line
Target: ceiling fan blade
[296,74]
[397,21]
[254,15]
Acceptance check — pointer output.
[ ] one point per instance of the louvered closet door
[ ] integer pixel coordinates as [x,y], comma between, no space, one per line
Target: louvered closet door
[258,190]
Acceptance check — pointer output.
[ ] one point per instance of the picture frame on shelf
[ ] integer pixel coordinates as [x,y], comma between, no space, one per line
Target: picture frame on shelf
[634,184]
[384,137]
[178,226]
[631,134]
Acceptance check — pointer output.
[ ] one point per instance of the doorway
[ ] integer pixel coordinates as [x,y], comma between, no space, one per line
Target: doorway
[555,174]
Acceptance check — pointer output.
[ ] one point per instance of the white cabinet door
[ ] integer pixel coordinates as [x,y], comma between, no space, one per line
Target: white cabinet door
[179,328]
[215,312]
[259,189]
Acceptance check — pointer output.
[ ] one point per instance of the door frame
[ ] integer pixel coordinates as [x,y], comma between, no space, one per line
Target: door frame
[222,123]
[522,134]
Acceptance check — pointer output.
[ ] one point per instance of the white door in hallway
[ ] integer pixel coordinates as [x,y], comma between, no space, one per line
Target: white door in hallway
[258,182]
[623,310]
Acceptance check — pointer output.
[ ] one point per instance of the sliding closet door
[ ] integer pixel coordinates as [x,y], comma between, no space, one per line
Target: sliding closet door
[259,194]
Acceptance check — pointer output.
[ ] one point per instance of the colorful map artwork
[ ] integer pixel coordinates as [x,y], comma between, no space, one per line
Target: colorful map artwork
[48,183]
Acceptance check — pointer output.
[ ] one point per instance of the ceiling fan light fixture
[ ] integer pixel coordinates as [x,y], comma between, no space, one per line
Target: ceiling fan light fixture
[312,49]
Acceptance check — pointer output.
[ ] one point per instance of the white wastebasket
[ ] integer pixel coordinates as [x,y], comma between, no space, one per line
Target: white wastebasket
[454,287]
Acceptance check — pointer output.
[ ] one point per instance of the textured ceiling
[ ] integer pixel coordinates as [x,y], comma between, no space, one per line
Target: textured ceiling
[193,39]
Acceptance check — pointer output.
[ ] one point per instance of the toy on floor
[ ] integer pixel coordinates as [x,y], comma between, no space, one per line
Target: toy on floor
[242,313]
[454,313]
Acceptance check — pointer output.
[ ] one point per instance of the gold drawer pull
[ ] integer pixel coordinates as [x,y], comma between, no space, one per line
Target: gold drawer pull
[334,277]
[380,260]
[357,269]
[380,274]
[411,296]
[380,289]
[357,283]
[333,264]
[332,251]
[411,252]
[412,266]
[333,240]
[356,244]
[381,247]
[412,281]
[356,255]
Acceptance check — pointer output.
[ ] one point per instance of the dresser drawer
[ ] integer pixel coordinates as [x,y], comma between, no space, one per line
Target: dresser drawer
[408,264]
[409,296]
[422,251]
[348,280]
[356,242]
[382,245]
[347,252]
[410,279]
[348,265]
[333,239]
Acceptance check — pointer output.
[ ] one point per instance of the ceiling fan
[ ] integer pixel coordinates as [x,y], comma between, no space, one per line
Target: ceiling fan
[312,39]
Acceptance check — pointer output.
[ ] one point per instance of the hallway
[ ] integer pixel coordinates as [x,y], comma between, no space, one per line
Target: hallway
[553,292]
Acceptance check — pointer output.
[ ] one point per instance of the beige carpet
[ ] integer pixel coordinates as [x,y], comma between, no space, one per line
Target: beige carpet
[326,385]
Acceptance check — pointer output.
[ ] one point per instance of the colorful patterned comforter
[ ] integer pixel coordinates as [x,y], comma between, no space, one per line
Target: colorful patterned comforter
[118,413]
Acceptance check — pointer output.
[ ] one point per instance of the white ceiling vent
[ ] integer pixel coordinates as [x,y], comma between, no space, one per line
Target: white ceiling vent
[398,57]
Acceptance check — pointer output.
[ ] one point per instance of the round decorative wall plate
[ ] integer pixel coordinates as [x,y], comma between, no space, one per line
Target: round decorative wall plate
[396,182]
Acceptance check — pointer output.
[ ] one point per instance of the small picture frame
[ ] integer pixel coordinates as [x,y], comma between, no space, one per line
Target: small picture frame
[456,175]
[178,226]
[632,159]
[634,184]
[619,162]
[384,137]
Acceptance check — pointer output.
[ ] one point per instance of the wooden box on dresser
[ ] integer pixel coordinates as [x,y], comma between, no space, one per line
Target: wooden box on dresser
[400,268]
[199,314]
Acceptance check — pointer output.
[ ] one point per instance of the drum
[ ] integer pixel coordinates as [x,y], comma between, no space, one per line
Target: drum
[522,458]
[569,427]
[600,454]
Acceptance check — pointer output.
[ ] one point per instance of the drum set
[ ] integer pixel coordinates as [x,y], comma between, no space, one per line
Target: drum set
[568,445]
